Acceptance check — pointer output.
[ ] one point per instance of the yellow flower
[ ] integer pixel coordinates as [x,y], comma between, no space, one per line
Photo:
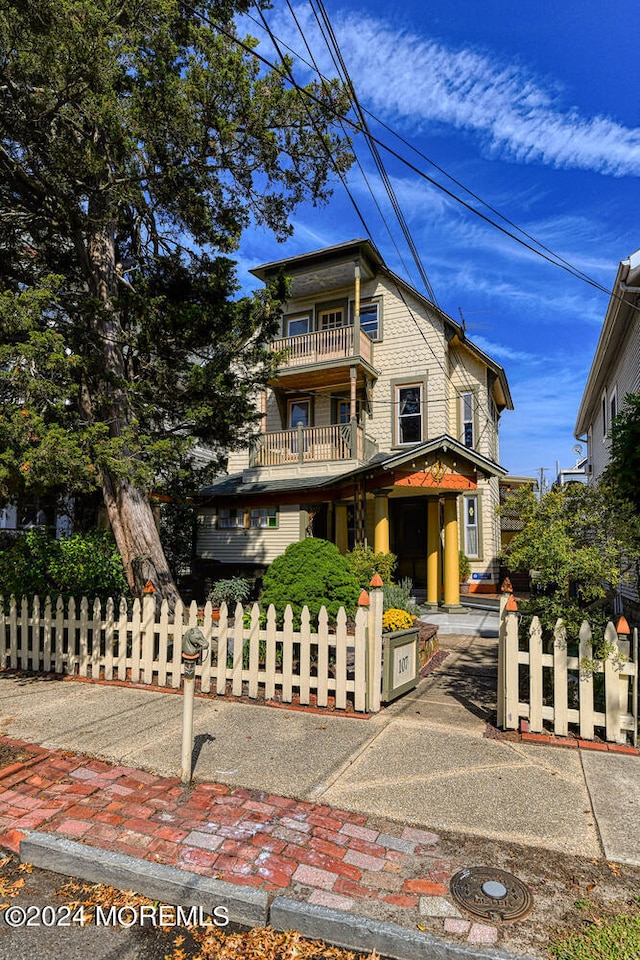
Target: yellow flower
[395,619]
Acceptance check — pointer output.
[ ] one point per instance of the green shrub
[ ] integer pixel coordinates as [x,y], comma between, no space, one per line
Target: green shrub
[83,565]
[231,591]
[397,596]
[311,573]
[365,562]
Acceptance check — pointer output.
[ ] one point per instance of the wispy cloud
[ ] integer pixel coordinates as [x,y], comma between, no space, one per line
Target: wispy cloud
[500,351]
[516,114]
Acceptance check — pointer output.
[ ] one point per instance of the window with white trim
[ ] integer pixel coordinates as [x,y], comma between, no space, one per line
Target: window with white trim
[613,406]
[409,401]
[297,325]
[467,418]
[370,319]
[471,538]
[264,517]
[231,518]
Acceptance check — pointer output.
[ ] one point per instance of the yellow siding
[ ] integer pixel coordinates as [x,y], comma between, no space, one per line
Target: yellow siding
[255,546]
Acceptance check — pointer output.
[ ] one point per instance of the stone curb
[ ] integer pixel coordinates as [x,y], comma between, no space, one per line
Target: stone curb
[245,905]
[363,934]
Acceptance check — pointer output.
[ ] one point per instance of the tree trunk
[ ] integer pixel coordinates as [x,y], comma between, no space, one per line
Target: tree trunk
[137,539]
[128,506]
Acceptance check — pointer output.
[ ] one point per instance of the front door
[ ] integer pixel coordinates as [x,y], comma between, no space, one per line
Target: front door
[408,538]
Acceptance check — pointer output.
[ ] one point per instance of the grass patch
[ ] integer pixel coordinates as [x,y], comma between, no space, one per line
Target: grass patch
[616,939]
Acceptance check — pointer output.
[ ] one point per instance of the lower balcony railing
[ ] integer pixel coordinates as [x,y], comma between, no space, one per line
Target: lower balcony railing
[310,444]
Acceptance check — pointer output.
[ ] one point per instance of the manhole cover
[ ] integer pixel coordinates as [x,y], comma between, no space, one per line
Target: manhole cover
[491,894]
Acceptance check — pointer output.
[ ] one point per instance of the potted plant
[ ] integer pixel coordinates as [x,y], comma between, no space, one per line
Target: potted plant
[465,571]
[230,591]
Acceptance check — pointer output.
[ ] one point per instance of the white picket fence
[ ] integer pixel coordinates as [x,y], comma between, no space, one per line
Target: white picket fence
[571,682]
[130,644]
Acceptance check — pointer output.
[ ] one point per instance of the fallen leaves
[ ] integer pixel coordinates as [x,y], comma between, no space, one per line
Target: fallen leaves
[263,943]
[9,887]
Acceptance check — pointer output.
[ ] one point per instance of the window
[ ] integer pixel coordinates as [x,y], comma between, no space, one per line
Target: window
[231,518]
[471,526]
[330,319]
[341,409]
[296,325]
[370,319]
[613,406]
[409,400]
[264,517]
[299,413]
[605,425]
[466,418]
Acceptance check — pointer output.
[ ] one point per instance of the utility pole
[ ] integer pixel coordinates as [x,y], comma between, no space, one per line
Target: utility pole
[541,485]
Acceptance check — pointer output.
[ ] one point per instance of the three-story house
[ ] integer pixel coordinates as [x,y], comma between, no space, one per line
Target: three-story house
[380,426]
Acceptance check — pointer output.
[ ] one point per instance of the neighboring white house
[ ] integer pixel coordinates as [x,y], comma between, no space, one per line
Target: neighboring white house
[381,426]
[615,370]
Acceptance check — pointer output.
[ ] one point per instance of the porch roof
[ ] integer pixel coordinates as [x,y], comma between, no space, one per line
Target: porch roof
[446,444]
[235,486]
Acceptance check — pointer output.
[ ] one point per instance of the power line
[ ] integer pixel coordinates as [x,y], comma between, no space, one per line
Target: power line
[480,406]
[539,250]
[371,143]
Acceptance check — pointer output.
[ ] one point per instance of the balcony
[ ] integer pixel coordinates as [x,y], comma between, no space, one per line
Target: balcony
[323,358]
[337,442]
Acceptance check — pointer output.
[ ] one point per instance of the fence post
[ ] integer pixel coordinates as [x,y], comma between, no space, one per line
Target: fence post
[374,644]
[624,646]
[511,697]
[507,591]
[636,683]
[611,687]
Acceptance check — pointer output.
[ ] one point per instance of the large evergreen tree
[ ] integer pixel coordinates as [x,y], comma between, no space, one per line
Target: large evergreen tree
[138,140]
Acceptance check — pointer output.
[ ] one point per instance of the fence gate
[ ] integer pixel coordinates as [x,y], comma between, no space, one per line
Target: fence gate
[567,690]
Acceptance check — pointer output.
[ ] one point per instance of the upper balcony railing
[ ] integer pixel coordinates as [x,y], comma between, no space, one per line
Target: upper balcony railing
[312,445]
[334,344]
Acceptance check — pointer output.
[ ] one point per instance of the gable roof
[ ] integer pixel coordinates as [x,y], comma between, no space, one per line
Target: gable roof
[337,261]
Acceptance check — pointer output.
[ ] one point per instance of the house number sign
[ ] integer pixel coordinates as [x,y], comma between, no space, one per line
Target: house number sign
[403,664]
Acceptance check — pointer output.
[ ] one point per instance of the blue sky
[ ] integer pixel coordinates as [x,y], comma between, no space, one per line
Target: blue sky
[532,106]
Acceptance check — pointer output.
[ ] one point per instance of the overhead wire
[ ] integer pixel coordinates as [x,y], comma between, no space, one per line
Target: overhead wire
[539,250]
[388,186]
[480,406]
[356,157]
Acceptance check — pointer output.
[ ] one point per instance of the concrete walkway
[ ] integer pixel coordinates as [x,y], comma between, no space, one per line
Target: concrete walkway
[373,795]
